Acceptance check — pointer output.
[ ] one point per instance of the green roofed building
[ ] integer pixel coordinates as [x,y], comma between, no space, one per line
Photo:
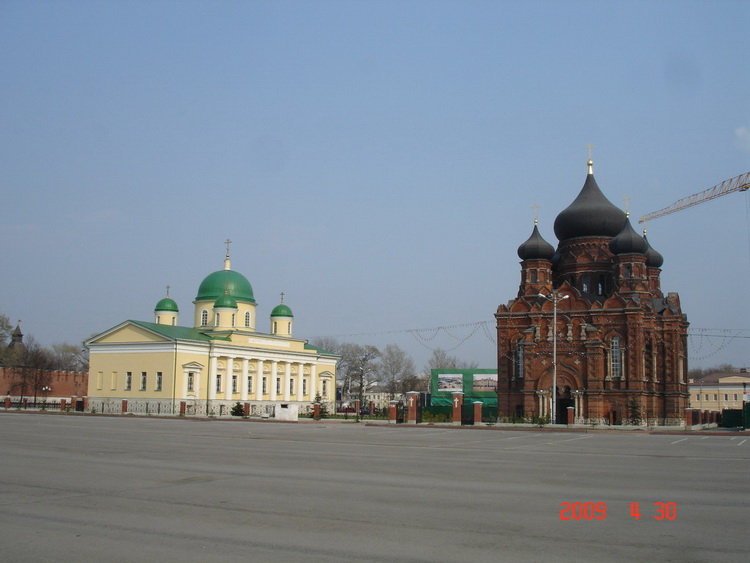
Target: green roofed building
[210,366]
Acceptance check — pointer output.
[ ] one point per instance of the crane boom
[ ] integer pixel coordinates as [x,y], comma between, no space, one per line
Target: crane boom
[737,184]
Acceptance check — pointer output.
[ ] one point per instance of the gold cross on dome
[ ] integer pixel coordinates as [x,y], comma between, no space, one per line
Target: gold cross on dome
[227,242]
[535,207]
[589,146]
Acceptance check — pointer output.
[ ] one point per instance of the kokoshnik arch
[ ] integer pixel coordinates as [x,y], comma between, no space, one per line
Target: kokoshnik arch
[621,343]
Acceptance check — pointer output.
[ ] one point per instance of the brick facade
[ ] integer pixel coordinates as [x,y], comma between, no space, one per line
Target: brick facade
[621,344]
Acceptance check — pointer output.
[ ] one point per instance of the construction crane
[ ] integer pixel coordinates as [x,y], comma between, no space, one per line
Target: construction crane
[737,184]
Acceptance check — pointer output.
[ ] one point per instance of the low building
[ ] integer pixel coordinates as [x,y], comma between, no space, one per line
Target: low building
[719,391]
[161,367]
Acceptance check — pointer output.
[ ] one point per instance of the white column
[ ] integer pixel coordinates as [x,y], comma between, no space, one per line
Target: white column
[313,389]
[287,379]
[272,390]
[243,382]
[229,372]
[212,377]
[258,381]
[300,379]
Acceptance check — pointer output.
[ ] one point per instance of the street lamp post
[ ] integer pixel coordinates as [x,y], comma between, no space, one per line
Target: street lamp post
[555,298]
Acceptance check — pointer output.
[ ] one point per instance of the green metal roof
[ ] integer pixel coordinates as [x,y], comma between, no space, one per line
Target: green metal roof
[226,302]
[225,281]
[281,311]
[167,304]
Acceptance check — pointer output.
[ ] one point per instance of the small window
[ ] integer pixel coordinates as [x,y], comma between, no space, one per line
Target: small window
[128,380]
[275,327]
[158,381]
[191,382]
[234,383]
[217,321]
[249,383]
[735,396]
[291,386]
[586,283]
[143,380]
[218,383]
[519,360]
[304,386]
[265,385]
[247,319]
[325,388]
[204,318]
[278,385]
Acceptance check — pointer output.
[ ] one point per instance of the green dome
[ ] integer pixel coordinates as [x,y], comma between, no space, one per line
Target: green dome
[215,285]
[167,304]
[226,302]
[281,311]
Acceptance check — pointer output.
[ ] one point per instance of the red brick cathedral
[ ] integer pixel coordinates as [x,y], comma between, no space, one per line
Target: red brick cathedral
[620,343]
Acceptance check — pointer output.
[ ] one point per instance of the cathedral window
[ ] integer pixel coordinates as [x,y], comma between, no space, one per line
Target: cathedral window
[143,381]
[615,358]
[128,380]
[275,327]
[325,388]
[204,318]
[217,320]
[533,276]
[601,285]
[191,382]
[158,381]
[247,319]
[518,360]
[234,318]
[586,284]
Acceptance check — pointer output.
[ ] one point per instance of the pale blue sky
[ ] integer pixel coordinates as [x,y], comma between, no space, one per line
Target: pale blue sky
[376,161]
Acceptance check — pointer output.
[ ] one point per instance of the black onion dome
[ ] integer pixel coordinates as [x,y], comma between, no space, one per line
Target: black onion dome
[590,214]
[536,248]
[628,241]
[653,258]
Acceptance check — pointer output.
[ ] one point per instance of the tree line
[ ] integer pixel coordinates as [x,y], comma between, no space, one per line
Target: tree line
[363,366]
[32,364]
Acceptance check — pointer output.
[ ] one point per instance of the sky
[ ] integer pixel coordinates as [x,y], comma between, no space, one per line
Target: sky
[377,161]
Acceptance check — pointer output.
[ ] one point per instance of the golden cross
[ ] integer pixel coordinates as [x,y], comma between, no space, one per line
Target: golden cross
[227,242]
[589,146]
[535,207]
[626,199]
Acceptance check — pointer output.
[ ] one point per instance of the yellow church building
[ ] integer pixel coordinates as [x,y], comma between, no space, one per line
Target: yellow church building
[161,367]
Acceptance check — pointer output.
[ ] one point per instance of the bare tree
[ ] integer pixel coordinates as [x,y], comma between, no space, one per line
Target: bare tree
[359,368]
[69,358]
[395,367]
[441,360]
[32,373]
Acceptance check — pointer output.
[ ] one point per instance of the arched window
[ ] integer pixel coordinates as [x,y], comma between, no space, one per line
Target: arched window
[518,363]
[275,327]
[234,319]
[217,320]
[204,317]
[601,285]
[533,276]
[247,319]
[615,358]
[586,284]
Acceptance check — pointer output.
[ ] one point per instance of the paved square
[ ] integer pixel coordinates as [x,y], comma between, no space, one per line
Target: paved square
[85,488]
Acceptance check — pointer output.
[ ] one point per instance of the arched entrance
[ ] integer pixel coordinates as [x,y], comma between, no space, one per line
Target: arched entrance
[563,401]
